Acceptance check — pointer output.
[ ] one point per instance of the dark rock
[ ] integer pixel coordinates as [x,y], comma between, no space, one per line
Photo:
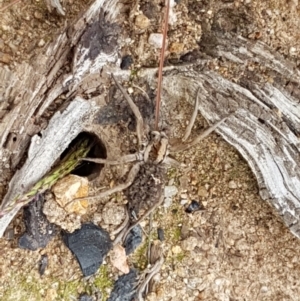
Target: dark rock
[160,234]
[133,239]
[85,297]
[39,231]
[43,264]
[126,62]
[194,206]
[191,56]
[125,287]
[89,244]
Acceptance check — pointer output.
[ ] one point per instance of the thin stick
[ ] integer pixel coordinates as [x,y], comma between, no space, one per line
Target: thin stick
[124,223]
[136,112]
[193,118]
[149,246]
[161,65]
[8,5]
[143,91]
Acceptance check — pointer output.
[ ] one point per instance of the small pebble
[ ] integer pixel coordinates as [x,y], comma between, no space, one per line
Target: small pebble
[41,43]
[183,202]
[85,297]
[38,15]
[160,234]
[232,185]
[5,58]
[194,206]
[227,166]
[177,48]
[133,239]
[202,191]
[127,61]
[43,264]
[170,191]
[142,22]
[167,202]
[156,40]
[176,250]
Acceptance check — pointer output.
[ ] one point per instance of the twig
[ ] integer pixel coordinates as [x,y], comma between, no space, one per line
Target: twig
[8,5]
[193,118]
[143,91]
[136,112]
[161,64]
[149,245]
[123,225]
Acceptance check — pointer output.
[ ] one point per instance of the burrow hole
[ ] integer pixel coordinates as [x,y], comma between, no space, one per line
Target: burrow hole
[87,169]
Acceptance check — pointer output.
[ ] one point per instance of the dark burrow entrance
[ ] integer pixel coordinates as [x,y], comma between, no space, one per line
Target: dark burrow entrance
[90,170]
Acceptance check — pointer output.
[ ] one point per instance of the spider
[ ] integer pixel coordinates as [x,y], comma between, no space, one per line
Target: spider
[154,148]
[154,153]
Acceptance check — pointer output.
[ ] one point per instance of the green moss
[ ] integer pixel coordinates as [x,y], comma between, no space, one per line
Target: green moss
[22,288]
[25,287]
[179,257]
[102,281]
[139,257]
[68,290]
[176,233]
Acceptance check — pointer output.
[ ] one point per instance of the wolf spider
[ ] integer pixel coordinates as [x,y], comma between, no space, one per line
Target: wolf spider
[154,149]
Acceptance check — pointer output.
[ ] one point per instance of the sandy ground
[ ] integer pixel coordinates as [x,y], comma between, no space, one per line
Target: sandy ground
[236,248]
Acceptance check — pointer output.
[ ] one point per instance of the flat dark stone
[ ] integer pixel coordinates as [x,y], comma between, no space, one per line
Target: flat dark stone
[39,231]
[161,234]
[133,239]
[194,206]
[125,287]
[89,244]
[43,264]
[127,61]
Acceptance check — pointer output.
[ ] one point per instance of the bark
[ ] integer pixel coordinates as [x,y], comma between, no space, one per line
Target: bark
[261,93]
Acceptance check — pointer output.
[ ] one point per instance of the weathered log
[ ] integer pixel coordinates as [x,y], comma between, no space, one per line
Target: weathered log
[44,150]
[263,96]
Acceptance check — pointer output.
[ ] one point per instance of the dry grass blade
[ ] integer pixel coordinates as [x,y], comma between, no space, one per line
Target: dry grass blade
[161,65]
[69,163]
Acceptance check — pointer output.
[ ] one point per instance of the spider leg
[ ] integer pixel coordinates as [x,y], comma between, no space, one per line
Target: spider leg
[123,160]
[193,118]
[123,233]
[182,147]
[130,178]
[136,112]
[150,273]
[172,162]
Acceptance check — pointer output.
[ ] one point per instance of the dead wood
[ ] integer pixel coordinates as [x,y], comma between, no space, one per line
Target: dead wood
[262,98]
